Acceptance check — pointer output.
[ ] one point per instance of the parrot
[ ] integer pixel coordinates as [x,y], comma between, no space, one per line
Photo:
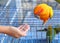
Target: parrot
[57,1]
[51,32]
[43,12]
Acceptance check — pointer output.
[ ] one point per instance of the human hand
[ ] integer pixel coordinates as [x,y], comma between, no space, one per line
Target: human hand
[18,32]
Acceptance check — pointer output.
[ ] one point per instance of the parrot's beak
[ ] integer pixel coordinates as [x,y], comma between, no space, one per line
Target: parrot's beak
[37,16]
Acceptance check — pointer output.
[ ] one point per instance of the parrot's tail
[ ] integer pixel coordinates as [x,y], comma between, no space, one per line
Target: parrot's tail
[49,40]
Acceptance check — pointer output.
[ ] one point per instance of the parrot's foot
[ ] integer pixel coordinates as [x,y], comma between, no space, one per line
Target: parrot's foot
[44,22]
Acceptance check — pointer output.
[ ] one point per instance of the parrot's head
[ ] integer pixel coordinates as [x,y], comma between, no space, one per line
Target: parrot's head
[39,9]
[49,27]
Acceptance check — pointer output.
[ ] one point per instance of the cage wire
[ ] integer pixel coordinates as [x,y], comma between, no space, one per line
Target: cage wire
[20,12]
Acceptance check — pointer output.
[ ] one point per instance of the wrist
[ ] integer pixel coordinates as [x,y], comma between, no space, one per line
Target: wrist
[5,29]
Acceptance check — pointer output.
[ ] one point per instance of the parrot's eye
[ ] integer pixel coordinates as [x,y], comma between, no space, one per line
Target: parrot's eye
[37,16]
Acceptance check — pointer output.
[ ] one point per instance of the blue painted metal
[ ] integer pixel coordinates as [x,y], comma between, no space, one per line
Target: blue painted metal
[32,36]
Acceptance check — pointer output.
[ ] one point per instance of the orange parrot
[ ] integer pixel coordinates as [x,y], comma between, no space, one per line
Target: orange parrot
[44,12]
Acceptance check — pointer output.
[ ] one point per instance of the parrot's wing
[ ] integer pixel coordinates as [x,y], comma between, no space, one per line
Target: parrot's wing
[50,12]
[57,30]
[57,1]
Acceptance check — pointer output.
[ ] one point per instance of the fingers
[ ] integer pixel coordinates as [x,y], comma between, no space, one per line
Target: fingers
[20,28]
[24,28]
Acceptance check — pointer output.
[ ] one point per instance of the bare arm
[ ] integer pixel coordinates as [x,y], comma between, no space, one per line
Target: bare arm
[3,29]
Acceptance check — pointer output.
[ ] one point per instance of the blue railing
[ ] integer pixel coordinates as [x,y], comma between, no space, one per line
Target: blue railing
[32,36]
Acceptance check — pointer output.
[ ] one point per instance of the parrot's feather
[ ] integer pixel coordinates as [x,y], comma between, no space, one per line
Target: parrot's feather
[51,12]
[57,30]
[57,1]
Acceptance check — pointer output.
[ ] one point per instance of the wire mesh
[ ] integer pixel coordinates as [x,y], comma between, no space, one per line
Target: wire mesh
[20,12]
